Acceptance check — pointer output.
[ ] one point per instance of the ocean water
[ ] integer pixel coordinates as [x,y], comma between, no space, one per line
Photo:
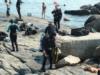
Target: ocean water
[34,7]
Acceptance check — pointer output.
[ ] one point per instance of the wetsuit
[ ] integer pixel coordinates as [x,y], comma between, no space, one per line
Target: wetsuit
[18,4]
[47,45]
[51,31]
[57,13]
[13,36]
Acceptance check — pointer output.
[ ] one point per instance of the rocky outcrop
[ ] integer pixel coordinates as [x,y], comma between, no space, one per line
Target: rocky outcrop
[93,22]
[97,5]
[85,10]
[82,47]
[79,32]
[77,12]
[17,63]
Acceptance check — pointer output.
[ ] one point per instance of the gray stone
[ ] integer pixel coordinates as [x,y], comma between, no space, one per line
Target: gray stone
[93,22]
[82,47]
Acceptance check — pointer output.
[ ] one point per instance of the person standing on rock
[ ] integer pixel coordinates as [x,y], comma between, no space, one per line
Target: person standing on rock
[18,4]
[47,52]
[13,34]
[43,10]
[8,3]
[48,44]
[57,13]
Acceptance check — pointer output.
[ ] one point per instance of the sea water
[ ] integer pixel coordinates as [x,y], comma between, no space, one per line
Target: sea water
[34,7]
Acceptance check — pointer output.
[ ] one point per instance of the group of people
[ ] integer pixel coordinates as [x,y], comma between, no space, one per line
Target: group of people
[48,41]
[57,14]
[18,4]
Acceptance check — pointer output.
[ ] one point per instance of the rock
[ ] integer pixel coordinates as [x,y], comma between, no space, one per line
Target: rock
[95,10]
[77,12]
[93,22]
[82,47]
[90,19]
[79,32]
[3,72]
[69,60]
[92,9]
[97,5]
[3,35]
[86,7]
[85,10]
[65,19]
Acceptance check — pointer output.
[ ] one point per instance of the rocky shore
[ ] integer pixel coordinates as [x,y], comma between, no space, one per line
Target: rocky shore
[28,60]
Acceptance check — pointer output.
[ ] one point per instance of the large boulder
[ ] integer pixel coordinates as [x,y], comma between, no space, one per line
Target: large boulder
[92,9]
[86,7]
[97,5]
[82,47]
[85,10]
[79,32]
[93,22]
[69,60]
[77,12]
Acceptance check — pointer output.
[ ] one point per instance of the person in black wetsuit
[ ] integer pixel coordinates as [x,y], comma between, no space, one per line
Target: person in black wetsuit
[57,13]
[47,45]
[13,34]
[18,4]
[8,3]
[47,51]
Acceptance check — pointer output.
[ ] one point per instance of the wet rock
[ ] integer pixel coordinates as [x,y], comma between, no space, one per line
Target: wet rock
[86,7]
[97,5]
[79,32]
[85,10]
[77,12]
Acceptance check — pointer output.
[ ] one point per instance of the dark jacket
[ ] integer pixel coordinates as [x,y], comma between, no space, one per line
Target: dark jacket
[57,13]
[51,30]
[47,43]
[18,3]
[13,28]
